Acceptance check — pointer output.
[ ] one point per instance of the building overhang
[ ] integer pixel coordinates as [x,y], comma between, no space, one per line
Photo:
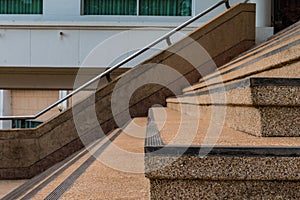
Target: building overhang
[50,78]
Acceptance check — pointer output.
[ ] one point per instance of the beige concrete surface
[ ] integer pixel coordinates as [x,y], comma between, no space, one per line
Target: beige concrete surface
[180,129]
[286,60]
[118,173]
[266,111]
[264,66]
[219,176]
[246,95]
[6,186]
[30,102]
[218,190]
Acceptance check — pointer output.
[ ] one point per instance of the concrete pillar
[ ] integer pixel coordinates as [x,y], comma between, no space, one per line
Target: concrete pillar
[263,19]
[5,108]
[263,12]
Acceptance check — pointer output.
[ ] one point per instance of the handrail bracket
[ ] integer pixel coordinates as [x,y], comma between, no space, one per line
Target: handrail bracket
[169,41]
[227,4]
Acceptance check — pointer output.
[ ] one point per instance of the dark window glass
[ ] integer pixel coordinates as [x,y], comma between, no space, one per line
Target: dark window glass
[110,7]
[21,6]
[165,7]
[146,7]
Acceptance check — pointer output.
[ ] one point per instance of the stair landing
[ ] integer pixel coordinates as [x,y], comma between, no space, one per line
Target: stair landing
[6,186]
[176,128]
[85,176]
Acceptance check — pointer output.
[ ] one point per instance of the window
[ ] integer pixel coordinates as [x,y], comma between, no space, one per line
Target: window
[138,7]
[110,7]
[165,7]
[21,6]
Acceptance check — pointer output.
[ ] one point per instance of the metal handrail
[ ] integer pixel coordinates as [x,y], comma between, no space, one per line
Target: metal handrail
[126,60]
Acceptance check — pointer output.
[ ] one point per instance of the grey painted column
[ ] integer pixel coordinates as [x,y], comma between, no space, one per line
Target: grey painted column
[263,12]
[263,19]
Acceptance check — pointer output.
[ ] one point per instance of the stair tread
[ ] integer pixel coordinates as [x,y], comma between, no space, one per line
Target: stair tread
[280,60]
[239,93]
[265,46]
[179,124]
[249,56]
[116,184]
[52,181]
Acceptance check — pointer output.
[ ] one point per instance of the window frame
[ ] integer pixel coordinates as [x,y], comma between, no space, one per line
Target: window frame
[137,12]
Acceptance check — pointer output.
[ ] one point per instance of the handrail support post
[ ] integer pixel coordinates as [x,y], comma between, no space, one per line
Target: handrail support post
[227,4]
[168,41]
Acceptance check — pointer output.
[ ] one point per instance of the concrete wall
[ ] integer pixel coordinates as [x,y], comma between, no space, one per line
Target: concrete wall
[67,8]
[31,47]
[57,11]
[30,102]
[26,102]
[203,5]
[71,10]
[35,40]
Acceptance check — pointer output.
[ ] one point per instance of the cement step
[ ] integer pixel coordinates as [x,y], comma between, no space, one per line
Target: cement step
[185,162]
[277,56]
[258,106]
[273,41]
[84,175]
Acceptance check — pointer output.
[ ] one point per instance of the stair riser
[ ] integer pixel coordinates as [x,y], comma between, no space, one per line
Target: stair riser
[223,177]
[276,42]
[279,61]
[202,189]
[285,71]
[230,168]
[259,106]
[258,121]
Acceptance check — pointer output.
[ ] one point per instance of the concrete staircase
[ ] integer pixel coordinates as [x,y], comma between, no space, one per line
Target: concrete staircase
[235,133]
[248,84]
[25,153]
